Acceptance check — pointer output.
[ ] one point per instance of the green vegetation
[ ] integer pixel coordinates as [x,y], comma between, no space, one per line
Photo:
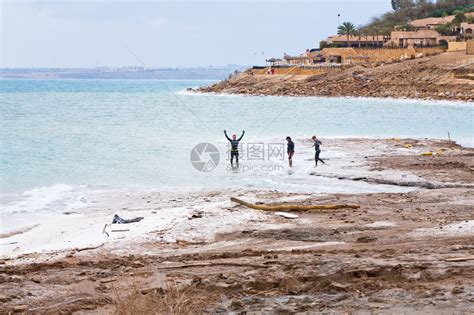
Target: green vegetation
[323,44]
[409,10]
[405,11]
[401,4]
[445,29]
[348,29]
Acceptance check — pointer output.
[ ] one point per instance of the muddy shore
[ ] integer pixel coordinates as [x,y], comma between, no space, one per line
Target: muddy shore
[389,256]
[449,76]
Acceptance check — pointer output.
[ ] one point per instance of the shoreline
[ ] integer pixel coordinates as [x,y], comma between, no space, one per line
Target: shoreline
[439,102]
[76,193]
[429,78]
[207,246]
[351,158]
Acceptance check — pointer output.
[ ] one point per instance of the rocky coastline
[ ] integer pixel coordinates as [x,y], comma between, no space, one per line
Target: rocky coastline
[446,76]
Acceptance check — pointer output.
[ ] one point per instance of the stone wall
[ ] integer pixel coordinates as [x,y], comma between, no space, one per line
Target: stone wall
[457,46]
[343,52]
[470,47]
[292,71]
[362,55]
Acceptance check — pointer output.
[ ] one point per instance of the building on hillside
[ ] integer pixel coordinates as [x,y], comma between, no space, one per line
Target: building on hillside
[312,57]
[274,61]
[431,23]
[469,15]
[423,35]
[467,30]
[421,38]
[356,41]
[302,59]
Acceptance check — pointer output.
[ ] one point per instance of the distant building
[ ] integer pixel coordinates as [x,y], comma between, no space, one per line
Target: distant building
[275,61]
[423,34]
[356,41]
[418,38]
[467,30]
[431,23]
[302,59]
[132,69]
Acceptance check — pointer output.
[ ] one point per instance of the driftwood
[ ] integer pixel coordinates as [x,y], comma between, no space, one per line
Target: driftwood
[290,207]
[104,230]
[460,258]
[88,248]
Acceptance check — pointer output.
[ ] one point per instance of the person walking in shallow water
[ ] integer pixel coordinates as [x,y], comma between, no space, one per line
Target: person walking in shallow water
[234,147]
[317,148]
[290,150]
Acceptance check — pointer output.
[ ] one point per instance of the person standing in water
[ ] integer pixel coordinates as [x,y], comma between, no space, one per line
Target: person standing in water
[234,149]
[290,150]
[317,148]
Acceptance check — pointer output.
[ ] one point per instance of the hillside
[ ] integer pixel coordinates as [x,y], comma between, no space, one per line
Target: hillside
[448,76]
[409,10]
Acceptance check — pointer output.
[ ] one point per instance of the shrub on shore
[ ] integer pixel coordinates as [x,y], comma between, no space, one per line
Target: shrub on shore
[175,299]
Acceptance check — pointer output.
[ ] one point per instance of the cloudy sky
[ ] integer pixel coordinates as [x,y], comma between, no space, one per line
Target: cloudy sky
[169,33]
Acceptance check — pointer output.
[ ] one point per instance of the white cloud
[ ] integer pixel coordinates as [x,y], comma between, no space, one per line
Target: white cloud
[185,33]
[33,35]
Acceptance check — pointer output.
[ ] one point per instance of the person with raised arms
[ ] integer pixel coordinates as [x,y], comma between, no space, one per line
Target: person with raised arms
[234,147]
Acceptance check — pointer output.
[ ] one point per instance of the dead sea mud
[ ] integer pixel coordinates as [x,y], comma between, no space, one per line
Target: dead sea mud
[391,255]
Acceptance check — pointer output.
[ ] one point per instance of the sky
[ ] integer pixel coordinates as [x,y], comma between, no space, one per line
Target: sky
[169,33]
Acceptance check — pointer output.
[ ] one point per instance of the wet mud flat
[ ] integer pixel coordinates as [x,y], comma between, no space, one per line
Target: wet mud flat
[392,255]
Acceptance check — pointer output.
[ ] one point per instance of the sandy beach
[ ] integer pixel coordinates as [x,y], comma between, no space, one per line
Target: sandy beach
[390,255]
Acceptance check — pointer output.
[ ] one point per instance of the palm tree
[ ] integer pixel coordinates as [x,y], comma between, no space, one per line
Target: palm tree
[365,33]
[348,29]
[377,37]
[359,34]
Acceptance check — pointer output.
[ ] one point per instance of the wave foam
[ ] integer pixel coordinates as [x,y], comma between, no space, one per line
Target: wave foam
[38,198]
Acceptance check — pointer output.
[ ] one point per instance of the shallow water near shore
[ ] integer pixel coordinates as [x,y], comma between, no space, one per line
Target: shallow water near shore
[65,139]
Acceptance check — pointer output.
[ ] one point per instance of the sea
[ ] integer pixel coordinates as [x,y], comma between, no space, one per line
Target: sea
[63,139]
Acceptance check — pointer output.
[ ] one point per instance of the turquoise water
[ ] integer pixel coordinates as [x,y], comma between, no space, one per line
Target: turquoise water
[114,133]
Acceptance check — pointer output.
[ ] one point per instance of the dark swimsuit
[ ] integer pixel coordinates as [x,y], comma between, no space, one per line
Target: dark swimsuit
[234,147]
[317,145]
[291,149]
